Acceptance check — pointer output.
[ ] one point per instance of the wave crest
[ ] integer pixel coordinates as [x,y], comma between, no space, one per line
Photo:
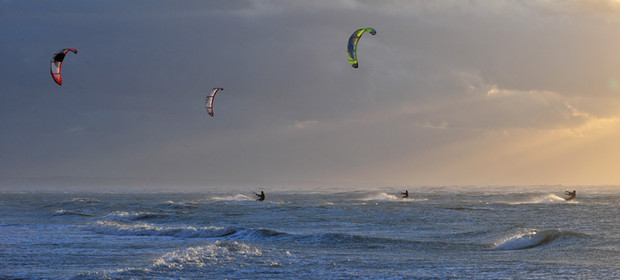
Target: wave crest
[532,239]
[133,216]
[119,228]
[63,212]
[145,229]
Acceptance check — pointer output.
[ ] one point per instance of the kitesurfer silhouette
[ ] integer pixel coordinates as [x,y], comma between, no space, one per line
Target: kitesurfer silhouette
[405,194]
[261,196]
[571,195]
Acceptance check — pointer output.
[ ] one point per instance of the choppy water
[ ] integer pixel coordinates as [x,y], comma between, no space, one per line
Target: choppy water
[468,232]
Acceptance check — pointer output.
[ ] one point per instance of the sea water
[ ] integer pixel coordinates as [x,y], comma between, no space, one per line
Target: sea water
[322,233]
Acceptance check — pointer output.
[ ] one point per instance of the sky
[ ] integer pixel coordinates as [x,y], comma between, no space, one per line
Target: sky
[478,92]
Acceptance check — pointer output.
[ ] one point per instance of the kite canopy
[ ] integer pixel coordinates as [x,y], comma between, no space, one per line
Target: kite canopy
[209,101]
[56,65]
[352,46]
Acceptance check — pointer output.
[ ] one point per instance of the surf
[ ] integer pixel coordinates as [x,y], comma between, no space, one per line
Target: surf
[533,239]
[213,254]
[383,196]
[539,199]
[110,227]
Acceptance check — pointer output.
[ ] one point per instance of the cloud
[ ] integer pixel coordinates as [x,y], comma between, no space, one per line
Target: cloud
[442,83]
[303,124]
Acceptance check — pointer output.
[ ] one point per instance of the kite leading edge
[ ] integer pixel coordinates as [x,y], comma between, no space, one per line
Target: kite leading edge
[209,101]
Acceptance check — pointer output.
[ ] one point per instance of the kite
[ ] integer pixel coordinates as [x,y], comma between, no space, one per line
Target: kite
[352,46]
[209,100]
[56,65]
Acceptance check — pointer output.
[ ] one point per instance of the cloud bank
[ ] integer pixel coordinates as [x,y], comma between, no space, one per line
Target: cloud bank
[448,92]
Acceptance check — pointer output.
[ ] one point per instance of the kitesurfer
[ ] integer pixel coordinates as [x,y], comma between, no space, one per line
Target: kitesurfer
[261,196]
[405,194]
[571,195]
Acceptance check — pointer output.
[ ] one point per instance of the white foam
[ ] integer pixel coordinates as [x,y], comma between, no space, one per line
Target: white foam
[202,256]
[380,196]
[239,197]
[541,199]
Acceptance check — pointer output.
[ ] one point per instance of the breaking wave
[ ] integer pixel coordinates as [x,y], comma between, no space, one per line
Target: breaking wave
[110,227]
[217,253]
[206,260]
[145,229]
[534,238]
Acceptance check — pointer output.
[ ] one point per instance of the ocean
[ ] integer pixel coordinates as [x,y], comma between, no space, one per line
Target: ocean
[455,232]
